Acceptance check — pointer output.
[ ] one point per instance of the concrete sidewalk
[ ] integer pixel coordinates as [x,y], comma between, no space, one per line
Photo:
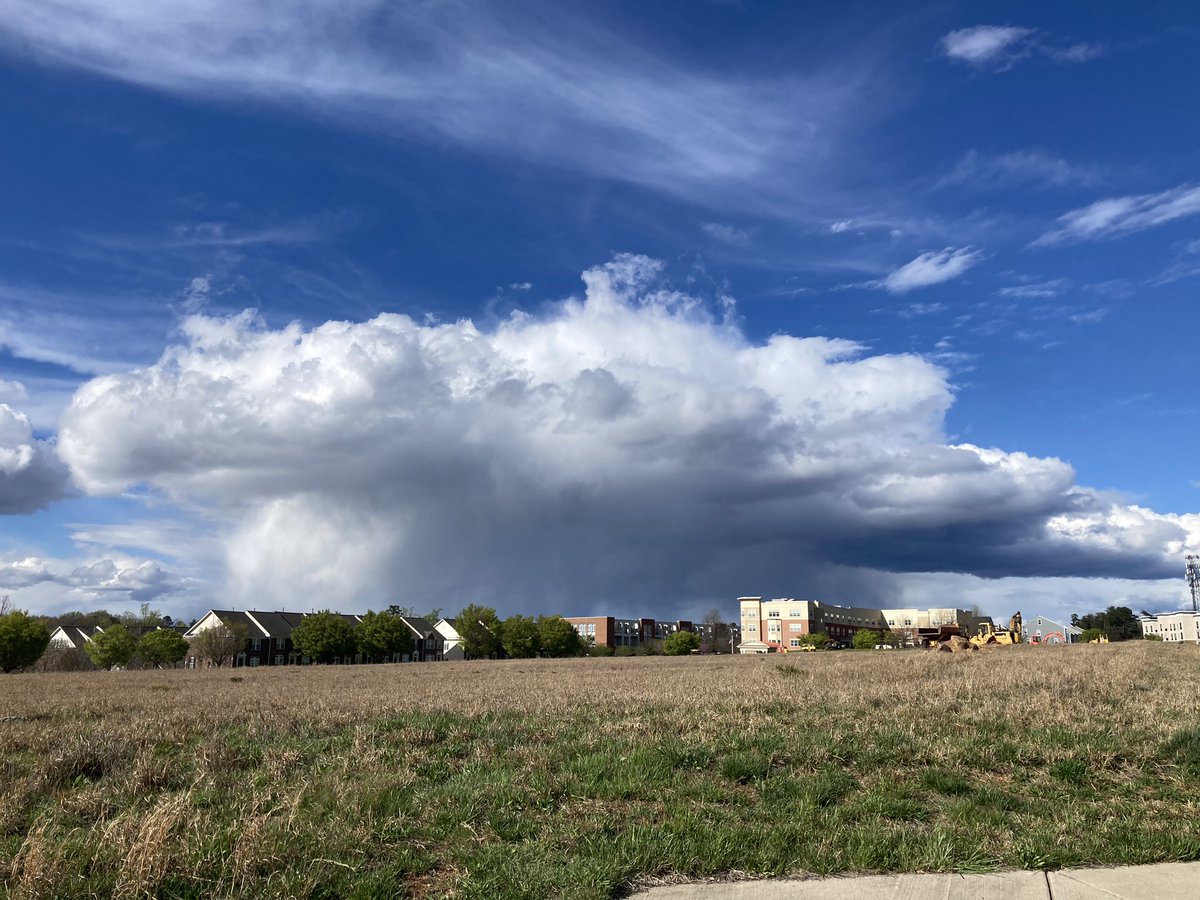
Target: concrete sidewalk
[1165,881]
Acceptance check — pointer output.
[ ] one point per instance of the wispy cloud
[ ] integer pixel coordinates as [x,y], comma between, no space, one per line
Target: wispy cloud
[1037,290]
[1000,46]
[921,309]
[987,45]
[932,267]
[727,234]
[224,235]
[1021,167]
[472,73]
[1091,317]
[1115,216]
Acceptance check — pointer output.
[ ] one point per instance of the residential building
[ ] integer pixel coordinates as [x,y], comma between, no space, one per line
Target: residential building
[428,642]
[1041,630]
[778,624]
[1177,627]
[610,631]
[269,637]
[71,637]
[452,648]
[916,624]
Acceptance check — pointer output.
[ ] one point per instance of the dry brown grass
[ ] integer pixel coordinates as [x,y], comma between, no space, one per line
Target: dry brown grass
[176,783]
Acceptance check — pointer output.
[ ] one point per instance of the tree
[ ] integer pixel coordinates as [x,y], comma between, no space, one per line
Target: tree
[718,632]
[433,616]
[382,635]
[816,639]
[324,636]
[112,647]
[558,637]
[163,647]
[22,639]
[219,644]
[1118,622]
[681,643]
[866,639]
[520,637]
[80,619]
[479,628]
[146,617]
[1154,637]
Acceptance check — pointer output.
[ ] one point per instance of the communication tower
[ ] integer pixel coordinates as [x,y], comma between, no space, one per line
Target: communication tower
[1191,565]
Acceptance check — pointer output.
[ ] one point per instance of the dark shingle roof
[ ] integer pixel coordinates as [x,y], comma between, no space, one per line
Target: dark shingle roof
[420,626]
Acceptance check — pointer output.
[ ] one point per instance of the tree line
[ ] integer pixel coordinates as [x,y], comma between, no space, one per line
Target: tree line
[148,639]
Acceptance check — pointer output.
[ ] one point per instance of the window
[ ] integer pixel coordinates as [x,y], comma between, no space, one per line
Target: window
[255,643]
[279,659]
[253,661]
[796,626]
[795,642]
[774,614]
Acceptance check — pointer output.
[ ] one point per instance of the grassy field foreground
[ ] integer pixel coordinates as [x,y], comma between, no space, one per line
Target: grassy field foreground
[581,778]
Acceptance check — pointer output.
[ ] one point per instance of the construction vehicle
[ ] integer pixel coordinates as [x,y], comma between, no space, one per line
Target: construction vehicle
[990,634]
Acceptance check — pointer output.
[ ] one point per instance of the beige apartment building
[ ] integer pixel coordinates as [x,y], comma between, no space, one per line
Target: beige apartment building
[912,621]
[778,624]
[1179,627]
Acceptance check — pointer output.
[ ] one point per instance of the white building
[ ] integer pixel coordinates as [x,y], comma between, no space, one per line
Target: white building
[1179,627]
[452,648]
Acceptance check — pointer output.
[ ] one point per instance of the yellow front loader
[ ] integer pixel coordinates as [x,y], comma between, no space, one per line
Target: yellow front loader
[989,634]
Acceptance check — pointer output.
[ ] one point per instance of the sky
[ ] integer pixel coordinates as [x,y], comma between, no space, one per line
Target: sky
[598,308]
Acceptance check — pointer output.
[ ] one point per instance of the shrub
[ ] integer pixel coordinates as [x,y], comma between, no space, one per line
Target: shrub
[111,648]
[681,643]
[22,640]
[865,639]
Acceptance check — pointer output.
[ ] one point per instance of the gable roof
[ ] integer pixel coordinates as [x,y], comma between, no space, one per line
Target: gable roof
[73,635]
[419,626]
[278,624]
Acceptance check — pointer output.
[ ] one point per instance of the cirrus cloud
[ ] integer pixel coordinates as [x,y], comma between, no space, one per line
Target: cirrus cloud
[931,267]
[1115,216]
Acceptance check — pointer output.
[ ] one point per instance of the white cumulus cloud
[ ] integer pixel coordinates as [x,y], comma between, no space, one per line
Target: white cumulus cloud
[50,584]
[627,449]
[31,474]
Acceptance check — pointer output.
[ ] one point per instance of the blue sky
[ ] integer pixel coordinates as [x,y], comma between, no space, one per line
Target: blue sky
[986,215]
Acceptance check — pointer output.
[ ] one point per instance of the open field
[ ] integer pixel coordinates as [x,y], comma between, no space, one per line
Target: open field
[581,778]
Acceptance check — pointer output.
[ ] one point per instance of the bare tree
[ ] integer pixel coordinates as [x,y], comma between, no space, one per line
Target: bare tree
[5,605]
[220,643]
[717,631]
